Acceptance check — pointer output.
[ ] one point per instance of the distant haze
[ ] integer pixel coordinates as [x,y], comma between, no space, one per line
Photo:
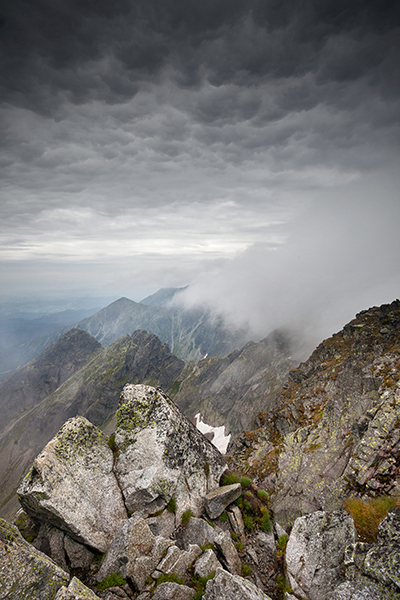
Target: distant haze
[247,149]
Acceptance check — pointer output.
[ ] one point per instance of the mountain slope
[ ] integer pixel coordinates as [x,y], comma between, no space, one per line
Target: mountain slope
[93,391]
[39,378]
[232,391]
[335,430]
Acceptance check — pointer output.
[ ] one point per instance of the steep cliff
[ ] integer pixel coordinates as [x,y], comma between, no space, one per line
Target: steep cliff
[335,430]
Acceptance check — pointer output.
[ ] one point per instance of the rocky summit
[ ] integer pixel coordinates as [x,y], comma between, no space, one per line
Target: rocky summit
[335,429]
[306,507]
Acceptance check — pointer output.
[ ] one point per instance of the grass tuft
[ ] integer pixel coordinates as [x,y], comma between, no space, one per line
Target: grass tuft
[367,514]
[112,580]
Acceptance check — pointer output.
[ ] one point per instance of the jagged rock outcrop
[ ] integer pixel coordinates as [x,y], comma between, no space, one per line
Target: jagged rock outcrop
[335,429]
[75,591]
[315,553]
[161,455]
[219,388]
[24,571]
[72,485]
[93,392]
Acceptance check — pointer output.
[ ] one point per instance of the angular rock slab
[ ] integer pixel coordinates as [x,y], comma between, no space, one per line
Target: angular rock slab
[76,591]
[72,485]
[226,586]
[315,553]
[24,571]
[217,500]
[162,454]
[173,591]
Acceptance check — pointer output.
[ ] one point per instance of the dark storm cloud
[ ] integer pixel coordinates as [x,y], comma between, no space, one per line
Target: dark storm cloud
[158,137]
[106,50]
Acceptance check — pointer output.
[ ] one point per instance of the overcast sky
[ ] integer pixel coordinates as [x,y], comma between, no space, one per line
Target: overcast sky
[248,148]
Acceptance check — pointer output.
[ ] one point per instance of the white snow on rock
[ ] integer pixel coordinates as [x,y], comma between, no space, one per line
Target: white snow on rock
[220,440]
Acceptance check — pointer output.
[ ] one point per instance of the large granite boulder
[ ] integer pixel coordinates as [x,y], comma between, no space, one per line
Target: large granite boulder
[315,553]
[162,455]
[226,586]
[24,571]
[72,485]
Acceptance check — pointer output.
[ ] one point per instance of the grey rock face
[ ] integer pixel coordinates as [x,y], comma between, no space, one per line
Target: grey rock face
[232,587]
[315,553]
[75,591]
[217,500]
[163,524]
[173,591]
[135,552]
[206,564]
[79,556]
[198,531]
[162,455]
[72,485]
[228,553]
[50,540]
[24,571]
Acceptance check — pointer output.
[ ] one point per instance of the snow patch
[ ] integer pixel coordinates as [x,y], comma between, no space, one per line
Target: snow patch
[220,440]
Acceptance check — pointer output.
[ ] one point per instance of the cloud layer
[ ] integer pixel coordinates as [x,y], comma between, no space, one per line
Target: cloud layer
[149,144]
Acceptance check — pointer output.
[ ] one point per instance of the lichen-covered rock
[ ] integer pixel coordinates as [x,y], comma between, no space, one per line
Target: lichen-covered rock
[226,586]
[173,591]
[72,485]
[162,455]
[382,561]
[134,553]
[24,571]
[373,570]
[315,553]
[75,591]
[236,521]
[207,563]
[217,500]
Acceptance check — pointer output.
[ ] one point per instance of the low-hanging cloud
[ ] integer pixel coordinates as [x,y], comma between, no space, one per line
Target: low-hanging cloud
[338,259]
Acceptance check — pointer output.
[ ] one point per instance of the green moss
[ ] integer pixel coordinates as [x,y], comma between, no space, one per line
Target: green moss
[112,580]
[186,516]
[263,495]
[171,506]
[229,477]
[199,584]
[223,517]
[246,570]
[248,522]
[265,522]
[245,481]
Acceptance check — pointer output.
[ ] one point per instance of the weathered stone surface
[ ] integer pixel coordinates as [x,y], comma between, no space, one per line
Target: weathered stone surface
[228,553]
[315,553]
[72,485]
[185,560]
[50,540]
[207,563]
[134,553]
[382,561]
[75,591]
[217,500]
[163,524]
[198,531]
[24,571]
[236,521]
[349,590]
[79,556]
[173,591]
[162,455]
[226,586]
